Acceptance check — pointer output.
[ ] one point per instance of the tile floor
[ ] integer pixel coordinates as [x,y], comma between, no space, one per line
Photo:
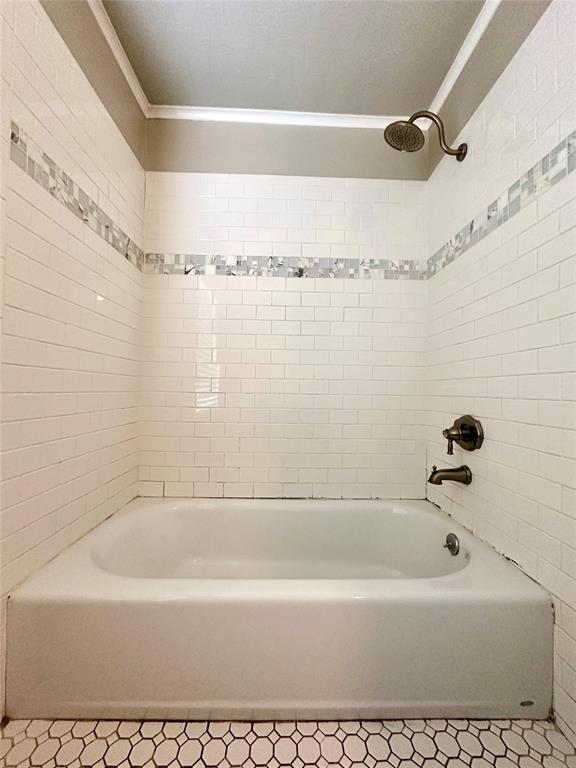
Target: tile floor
[396,743]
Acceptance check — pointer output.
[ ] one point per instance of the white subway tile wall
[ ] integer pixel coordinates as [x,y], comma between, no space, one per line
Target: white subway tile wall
[502,332]
[282,216]
[272,386]
[71,308]
[282,387]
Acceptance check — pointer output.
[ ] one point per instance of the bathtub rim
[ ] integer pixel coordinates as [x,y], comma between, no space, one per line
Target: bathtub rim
[487,575]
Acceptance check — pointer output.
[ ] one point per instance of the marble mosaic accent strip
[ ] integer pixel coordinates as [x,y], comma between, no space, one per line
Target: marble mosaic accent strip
[349,744]
[270,266]
[40,167]
[547,172]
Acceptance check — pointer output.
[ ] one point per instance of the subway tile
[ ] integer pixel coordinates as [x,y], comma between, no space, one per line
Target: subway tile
[539,284]
[542,232]
[557,303]
[556,250]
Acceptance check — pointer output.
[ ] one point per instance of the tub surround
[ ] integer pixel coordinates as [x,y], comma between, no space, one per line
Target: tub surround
[279,387]
[70,343]
[502,327]
[70,307]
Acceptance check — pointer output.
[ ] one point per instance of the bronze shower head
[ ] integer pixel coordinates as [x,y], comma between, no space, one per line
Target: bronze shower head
[406,136]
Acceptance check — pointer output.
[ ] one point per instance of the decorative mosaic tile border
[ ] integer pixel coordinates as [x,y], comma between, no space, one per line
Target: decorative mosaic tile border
[345,744]
[547,172]
[294,266]
[40,167]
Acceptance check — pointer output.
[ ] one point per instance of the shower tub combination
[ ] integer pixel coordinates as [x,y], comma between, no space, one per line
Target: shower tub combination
[229,609]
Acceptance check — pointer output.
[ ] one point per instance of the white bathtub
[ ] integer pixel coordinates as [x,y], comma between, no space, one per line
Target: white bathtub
[222,609]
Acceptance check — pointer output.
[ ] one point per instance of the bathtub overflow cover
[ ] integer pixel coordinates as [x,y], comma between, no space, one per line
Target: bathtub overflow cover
[452,544]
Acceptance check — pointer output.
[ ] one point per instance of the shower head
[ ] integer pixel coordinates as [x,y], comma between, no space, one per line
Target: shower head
[406,136]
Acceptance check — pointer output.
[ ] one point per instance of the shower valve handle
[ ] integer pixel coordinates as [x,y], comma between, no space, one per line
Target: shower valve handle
[452,434]
[467,432]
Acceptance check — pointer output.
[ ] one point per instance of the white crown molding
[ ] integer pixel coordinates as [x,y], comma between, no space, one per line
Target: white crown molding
[270,117]
[280,117]
[101,15]
[467,48]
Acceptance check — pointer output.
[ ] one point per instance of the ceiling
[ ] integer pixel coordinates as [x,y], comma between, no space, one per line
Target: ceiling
[364,57]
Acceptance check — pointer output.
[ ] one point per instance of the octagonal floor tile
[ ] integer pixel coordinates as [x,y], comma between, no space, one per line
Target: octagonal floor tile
[351,744]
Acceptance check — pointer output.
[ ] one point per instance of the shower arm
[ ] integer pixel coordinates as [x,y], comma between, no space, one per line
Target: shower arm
[459,152]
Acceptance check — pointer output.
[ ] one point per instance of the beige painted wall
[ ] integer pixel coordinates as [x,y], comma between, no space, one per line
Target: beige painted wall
[175,145]
[202,147]
[78,28]
[510,26]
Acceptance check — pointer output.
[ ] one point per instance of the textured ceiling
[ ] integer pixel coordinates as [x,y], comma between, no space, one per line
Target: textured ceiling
[382,57]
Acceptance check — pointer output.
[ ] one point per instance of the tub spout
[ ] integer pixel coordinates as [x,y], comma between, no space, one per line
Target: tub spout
[461,474]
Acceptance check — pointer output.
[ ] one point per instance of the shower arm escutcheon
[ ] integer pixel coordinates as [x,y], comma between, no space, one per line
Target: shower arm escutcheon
[467,432]
[459,153]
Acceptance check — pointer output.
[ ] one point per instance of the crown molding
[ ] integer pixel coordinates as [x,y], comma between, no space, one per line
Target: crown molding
[270,117]
[467,48]
[286,117]
[101,15]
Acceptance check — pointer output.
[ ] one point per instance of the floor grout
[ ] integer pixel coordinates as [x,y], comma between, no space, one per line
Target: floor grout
[350,744]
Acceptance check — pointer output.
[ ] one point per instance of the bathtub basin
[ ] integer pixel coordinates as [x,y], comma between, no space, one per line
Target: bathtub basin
[254,609]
